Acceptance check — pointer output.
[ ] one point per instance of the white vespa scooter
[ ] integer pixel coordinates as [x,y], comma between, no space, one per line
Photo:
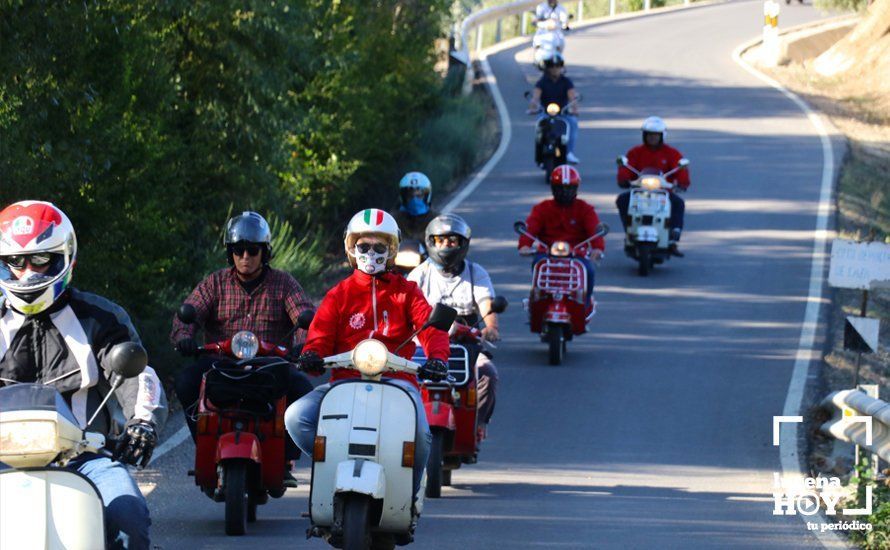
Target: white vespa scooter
[42,504]
[647,238]
[549,39]
[363,456]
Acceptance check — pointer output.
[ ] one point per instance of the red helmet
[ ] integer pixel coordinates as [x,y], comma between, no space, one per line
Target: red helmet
[565,175]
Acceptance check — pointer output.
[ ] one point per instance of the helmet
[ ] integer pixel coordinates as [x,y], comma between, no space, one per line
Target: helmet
[564,182]
[415,193]
[248,227]
[35,227]
[448,224]
[372,222]
[654,125]
[554,60]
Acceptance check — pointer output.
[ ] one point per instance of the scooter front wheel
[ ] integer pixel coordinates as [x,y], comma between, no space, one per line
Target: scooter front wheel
[236,497]
[356,522]
[434,470]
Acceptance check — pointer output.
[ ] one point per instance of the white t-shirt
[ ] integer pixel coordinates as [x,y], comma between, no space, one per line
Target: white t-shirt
[454,291]
[559,13]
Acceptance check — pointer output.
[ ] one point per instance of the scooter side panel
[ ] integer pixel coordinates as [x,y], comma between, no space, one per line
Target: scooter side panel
[398,425]
[73,519]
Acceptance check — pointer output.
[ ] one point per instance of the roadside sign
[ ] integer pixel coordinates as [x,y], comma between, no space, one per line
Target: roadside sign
[859,265]
[861,334]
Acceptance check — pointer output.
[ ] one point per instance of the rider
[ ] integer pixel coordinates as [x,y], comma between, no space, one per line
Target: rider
[415,210]
[448,277]
[655,154]
[564,218]
[373,302]
[55,334]
[552,10]
[555,87]
[248,295]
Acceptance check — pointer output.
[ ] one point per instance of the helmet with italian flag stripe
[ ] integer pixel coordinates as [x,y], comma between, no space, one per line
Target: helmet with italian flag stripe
[372,221]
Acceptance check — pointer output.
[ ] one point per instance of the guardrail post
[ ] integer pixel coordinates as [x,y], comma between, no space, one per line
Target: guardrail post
[479,38]
[611,8]
[524,29]
[647,4]
[580,10]
[497,31]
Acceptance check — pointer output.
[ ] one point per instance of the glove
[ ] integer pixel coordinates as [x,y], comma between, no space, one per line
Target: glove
[434,369]
[491,334]
[137,443]
[187,347]
[310,362]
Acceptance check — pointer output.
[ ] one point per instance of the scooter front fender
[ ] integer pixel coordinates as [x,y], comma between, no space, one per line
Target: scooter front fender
[245,445]
[361,476]
[440,415]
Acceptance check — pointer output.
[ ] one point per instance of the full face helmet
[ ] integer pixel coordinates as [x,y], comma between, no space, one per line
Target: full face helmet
[654,125]
[38,250]
[564,182]
[448,256]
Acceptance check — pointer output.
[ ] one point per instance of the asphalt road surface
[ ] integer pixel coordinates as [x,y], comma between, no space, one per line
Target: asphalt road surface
[656,432]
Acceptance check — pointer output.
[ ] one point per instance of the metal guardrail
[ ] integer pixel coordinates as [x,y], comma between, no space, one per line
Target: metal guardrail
[497,13]
[859,419]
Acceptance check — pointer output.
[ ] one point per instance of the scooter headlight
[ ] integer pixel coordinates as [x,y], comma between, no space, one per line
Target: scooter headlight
[553,109]
[28,443]
[408,259]
[245,345]
[370,357]
[651,182]
[560,249]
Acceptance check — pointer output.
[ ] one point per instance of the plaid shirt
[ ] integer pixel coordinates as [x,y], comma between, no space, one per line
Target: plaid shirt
[224,308]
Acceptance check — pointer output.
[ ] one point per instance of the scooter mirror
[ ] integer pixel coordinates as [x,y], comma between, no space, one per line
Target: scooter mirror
[683,163]
[519,227]
[187,313]
[128,359]
[499,304]
[603,228]
[305,318]
[527,95]
[571,16]
[442,317]
[621,161]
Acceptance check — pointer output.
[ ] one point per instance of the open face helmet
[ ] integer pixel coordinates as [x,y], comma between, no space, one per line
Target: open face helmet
[248,228]
[415,193]
[372,222]
[38,250]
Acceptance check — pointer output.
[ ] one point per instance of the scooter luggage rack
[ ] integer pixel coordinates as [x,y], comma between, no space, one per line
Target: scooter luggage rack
[458,365]
[559,275]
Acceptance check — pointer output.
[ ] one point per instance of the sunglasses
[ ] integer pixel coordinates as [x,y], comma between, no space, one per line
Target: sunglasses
[36,260]
[239,249]
[364,248]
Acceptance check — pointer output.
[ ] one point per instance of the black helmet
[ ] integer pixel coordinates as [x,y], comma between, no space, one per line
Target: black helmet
[448,258]
[249,227]
[554,60]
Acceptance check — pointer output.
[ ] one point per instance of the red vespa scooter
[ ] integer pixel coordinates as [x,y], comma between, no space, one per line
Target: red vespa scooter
[451,406]
[239,455]
[557,307]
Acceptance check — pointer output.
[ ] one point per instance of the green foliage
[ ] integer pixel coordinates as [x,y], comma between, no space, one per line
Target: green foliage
[879,536]
[301,257]
[147,121]
[842,5]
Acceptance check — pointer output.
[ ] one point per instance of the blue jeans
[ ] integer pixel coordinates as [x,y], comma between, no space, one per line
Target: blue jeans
[588,267]
[126,512]
[301,421]
[573,130]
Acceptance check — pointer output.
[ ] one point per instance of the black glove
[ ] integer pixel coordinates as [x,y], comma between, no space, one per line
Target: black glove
[137,443]
[310,362]
[434,369]
[187,347]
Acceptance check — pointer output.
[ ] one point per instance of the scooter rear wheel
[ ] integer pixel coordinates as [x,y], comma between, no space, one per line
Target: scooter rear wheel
[356,522]
[556,344]
[236,497]
[644,256]
[446,478]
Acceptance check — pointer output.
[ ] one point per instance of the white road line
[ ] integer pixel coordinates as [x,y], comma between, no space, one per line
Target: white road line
[794,398]
[174,441]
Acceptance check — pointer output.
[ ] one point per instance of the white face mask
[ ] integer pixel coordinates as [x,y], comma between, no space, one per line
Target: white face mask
[371,262]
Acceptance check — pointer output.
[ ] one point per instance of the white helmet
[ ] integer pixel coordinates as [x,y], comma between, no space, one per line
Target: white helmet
[372,222]
[655,125]
[415,193]
[39,232]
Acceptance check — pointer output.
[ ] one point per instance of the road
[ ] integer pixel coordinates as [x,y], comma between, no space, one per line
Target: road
[656,432]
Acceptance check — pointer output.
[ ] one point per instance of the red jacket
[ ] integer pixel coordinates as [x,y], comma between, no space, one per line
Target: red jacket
[574,223]
[663,158]
[388,308]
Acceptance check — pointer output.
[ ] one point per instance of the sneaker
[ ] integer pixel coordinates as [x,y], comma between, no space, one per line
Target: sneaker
[674,251]
[572,158]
